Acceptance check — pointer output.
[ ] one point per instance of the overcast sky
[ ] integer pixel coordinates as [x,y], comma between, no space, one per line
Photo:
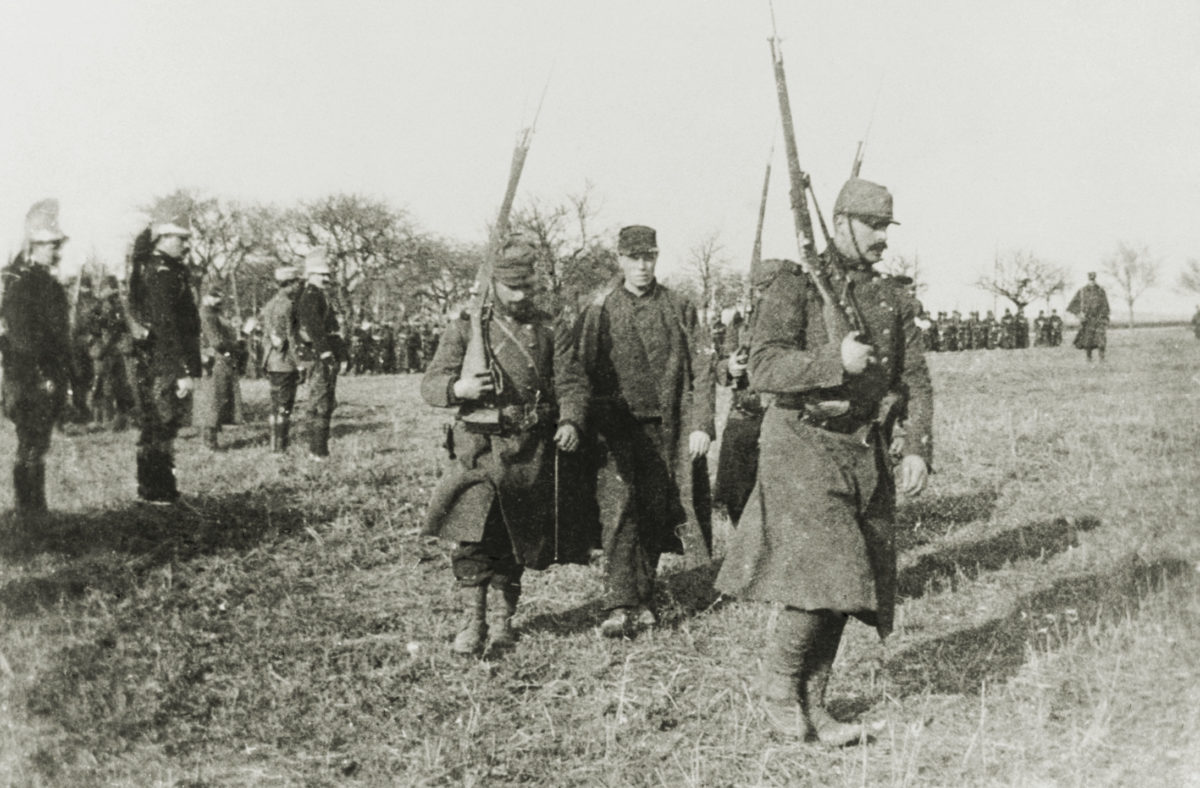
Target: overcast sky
[1057,126]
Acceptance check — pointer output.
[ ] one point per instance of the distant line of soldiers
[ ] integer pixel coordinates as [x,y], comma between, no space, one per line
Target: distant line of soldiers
[384,349]
[950,332]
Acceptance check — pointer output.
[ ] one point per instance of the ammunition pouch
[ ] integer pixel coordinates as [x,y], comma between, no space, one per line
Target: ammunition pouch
[507,419]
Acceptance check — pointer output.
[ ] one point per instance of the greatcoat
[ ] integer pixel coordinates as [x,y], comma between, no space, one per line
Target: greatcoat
[817,531]
[1090,305]
[515,468]
[218,396]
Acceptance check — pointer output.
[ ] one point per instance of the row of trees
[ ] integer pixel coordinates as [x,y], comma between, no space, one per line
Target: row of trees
[386,268]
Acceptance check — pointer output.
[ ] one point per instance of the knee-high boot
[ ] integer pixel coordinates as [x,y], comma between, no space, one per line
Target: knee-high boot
[788,638]
[500,615]
[815,680]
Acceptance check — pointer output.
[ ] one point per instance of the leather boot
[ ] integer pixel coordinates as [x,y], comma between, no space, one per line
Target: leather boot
[470,639]
[273,424]
[210,438]
[783,663]
[500,628]
[824,726]
[283,423]
[21,497]
[156,476]
[35,480]
[318,439]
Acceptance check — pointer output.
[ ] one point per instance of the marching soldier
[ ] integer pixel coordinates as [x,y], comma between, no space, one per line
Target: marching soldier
[281,363]
[500,500]
[218,399]
[649,362]
[1090,305]
[817,536]
[167,344]
[324,351]
[36,344]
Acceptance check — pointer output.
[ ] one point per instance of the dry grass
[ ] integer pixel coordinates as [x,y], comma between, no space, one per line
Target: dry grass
[1046,635]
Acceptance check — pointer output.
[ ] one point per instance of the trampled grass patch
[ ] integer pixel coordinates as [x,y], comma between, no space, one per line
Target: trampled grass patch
[290,626]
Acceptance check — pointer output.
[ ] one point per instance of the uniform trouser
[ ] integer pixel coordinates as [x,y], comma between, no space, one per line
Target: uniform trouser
[283,392]
[111,397]
[162,412]
[29,469]
[322,386]
[489,561]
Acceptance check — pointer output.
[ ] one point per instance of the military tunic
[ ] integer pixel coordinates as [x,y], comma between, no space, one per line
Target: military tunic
[510,474]
[35,339]
[650,363]
[162,301]
[280,361]
[817,532]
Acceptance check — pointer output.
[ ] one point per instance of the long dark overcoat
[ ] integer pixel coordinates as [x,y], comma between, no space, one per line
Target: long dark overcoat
[650,364]
[1090,305]
[817,531]
[218,395]
[516,469]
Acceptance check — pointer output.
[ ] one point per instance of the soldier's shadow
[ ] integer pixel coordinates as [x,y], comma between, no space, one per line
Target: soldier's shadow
[961,661]
[945,569]
[112,550]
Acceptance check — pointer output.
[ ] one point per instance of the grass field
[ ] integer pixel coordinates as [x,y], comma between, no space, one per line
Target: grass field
[290,626]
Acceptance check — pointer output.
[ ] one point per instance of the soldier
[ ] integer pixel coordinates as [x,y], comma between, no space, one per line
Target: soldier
[1008,332]
[500,501]
[817,535]
[1056,328]
[1021,329]
[412,348]
[718,331]
[1090,305]
[281,363]
[737,462]
[36,343]
[1040,325]
[167,345]
[933,337]
[649,361]
[323,349]
[110,348]
[950,335]
[966,333]
[979,332]
[218,399]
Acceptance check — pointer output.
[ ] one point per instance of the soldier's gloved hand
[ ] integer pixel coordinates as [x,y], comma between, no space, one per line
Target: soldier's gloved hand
[913,475]
[737,363]
[473,387]
[856,354]
[567,437]
[184,386]
[698,443]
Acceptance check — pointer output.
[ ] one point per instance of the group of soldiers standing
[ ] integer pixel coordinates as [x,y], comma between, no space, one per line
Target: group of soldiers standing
[950,332]
[594,432]
[384,349]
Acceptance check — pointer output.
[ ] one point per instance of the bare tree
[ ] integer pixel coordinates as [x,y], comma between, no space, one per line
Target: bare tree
[706,262]
[1189,278]
[904,265]
[1134,269]
[1022,277]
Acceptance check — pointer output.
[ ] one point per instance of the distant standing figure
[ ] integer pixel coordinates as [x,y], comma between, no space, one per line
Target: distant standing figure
[167,343]
[1090,305]
[218,395]
[281,363]
[35,340]
[324,349]
[1196,323]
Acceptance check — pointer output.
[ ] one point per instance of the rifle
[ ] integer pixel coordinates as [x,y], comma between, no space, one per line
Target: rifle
[743,341]
[841,314]
[483,415]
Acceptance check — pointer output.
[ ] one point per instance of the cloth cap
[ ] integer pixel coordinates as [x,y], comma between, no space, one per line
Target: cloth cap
[171,217]
[864,198]
[316,262]
[637,239]
[514,265]
[41,223]
[1091,274]
[286,273]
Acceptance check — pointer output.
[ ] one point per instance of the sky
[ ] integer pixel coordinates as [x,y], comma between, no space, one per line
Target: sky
[1053,126]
